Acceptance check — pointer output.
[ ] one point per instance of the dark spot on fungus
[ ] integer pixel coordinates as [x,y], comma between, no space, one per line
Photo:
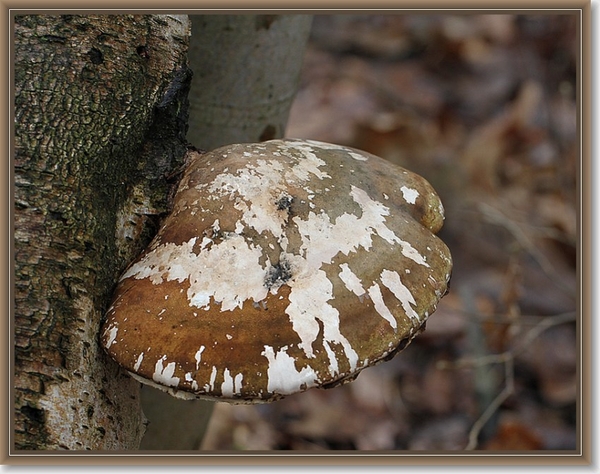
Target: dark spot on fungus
[96,56]
[278,274]
[213,234]
[284,202]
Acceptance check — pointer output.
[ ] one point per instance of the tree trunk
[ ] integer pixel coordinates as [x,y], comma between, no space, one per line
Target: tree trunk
[246,72]
[100,117]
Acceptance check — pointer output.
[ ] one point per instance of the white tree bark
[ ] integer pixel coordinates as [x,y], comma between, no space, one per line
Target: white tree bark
[246,71]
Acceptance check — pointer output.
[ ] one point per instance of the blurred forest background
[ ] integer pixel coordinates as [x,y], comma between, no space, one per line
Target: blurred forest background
[484,107]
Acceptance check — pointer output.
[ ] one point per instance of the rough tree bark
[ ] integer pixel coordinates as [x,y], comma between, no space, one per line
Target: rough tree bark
[246,72]
[100,117]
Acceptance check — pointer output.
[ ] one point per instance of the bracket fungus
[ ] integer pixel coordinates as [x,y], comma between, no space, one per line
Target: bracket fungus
[284,265]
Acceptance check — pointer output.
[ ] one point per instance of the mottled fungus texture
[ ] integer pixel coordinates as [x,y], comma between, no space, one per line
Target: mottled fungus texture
[284,265]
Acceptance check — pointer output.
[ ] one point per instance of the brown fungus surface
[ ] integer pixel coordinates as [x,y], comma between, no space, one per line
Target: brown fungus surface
[284,265]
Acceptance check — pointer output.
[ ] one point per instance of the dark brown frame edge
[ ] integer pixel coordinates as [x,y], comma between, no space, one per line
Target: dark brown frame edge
[581,456]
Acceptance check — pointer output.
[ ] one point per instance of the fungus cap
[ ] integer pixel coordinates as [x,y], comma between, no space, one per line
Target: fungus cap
[284,265]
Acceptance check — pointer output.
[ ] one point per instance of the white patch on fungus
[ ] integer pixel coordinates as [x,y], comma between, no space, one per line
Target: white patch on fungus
[229,272]
[373,217]
[304,168]
[164,375]
[283,377]
[410,195]
[210,386]
[311,289]
[323,240]
[193,385]
[357,156]
[162,263]
[351,281]
[257,185]
[410,252]
[329,146]
[138,362]
[333,363]
[308,303]
[198,356]
[392,281]
[231,385]
[112,335]
[380,307]
[239,227]
[237,383]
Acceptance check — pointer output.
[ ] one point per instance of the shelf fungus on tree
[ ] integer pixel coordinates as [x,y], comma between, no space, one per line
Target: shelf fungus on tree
[284,265]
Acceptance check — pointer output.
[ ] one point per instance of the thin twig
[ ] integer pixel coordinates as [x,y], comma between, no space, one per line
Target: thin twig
[508,359]
[495,216]
[533,333]
[506,392]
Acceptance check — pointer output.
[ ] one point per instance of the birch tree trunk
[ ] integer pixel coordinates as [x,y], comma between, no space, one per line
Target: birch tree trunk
[100,118]
[246,72]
